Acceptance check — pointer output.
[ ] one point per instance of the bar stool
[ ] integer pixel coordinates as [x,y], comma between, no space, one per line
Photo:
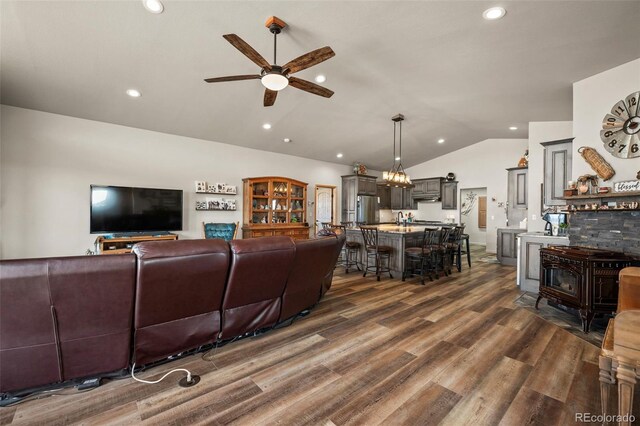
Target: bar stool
[422,256]
[376,252]
[440,252]
[351,251]
[455,246]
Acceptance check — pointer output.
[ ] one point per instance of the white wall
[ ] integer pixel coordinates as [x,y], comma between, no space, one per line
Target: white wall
[541,131]
[593,98]
[48,162]
[476,235]
[480,165]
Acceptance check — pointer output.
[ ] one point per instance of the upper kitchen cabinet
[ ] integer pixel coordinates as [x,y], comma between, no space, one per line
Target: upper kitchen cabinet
[450,195]
[557,170]
[401,199]
[516,194]
[367,185]
[384,196]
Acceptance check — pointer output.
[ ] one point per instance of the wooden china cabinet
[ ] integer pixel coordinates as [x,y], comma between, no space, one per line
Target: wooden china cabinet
[274,206]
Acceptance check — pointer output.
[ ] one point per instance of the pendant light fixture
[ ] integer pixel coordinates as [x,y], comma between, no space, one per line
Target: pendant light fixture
[396,176]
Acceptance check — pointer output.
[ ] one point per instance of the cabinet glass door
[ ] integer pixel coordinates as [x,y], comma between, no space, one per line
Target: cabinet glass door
[297,204]
[260,207]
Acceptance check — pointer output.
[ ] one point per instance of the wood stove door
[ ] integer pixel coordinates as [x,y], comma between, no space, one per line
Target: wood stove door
[562,281]
[604,290]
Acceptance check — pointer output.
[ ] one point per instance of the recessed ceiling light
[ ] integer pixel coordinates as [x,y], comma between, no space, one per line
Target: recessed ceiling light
[266,126]
[286,140]
[494,13]
[134,93]
[513,128]
[440,140]
[339,155]
[397,158]
[320,78]
[153,6]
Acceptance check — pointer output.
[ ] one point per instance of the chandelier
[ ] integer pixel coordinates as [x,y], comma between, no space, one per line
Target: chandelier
[396,176]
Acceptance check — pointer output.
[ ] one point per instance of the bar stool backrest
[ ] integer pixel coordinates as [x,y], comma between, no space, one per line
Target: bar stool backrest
[338,229]
[445,231]
[456,235]
[326,225]
[429,237]
[347,224]
[370,236]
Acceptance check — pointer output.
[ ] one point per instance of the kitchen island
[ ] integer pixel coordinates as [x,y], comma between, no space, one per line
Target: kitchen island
[398,237]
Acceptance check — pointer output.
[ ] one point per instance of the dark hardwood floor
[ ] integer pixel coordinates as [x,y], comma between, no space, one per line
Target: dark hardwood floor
[455,351]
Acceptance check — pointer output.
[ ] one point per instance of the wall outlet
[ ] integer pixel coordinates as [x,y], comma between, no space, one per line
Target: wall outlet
[534,217]
[493,218]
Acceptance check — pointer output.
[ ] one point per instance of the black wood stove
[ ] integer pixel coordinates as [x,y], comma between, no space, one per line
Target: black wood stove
[581,278]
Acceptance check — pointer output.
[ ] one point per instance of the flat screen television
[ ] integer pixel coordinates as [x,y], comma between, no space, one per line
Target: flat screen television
[124,209]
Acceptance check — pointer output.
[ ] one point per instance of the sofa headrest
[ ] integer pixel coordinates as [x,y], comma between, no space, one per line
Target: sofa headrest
[159,249]
[253,245]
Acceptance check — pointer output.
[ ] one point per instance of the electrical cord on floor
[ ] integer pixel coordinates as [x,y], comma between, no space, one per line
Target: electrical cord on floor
[185,382]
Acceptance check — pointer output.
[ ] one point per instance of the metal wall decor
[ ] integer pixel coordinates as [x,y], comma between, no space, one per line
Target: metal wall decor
[621,128]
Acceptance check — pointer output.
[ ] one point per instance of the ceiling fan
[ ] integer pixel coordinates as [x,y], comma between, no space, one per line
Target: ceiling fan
[275,77]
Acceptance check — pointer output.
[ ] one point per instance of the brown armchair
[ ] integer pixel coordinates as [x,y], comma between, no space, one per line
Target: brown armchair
[620,352]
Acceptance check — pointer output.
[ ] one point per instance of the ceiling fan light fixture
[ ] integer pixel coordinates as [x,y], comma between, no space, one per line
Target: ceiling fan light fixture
[274,81]
[153,6]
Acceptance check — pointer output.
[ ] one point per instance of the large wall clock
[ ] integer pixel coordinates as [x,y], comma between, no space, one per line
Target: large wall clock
[621,128]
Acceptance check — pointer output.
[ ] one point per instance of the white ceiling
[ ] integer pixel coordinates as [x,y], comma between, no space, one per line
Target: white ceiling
[450,72]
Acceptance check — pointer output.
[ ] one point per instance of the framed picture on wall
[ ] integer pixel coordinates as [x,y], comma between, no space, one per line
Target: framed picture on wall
[231,189]
[201,186]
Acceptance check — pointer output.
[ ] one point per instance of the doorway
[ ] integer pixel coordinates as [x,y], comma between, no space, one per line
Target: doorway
[325,205]
[473,213]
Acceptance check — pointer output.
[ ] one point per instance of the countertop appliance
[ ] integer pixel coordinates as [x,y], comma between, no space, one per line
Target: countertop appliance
[367,209]
[554,220]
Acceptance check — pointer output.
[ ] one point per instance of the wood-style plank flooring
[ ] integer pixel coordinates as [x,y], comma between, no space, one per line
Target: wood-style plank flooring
[455,351]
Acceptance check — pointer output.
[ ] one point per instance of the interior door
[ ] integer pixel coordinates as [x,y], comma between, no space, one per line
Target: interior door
[324,205]
[482,212]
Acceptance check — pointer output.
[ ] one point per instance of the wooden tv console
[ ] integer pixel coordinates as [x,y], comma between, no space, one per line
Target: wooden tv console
[120,245]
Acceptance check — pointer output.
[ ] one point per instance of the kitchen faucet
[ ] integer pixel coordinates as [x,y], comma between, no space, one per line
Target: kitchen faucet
[398,216]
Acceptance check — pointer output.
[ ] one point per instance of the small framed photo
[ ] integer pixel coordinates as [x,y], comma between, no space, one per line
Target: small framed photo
[230,204]
[201,205]
[201,186]
[215,203]
[231,189]
[220,187]
[211,188]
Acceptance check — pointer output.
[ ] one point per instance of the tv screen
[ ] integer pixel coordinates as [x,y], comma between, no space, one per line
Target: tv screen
[124,209]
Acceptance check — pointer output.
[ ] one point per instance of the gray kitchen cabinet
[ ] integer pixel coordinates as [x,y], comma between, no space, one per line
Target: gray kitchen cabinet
[508,245]
[529,245]
[420,187]
[450,195]
[367,185]
[557,170]
[397,199]
[407,199]
[432,185]
[516,195]
[384,196]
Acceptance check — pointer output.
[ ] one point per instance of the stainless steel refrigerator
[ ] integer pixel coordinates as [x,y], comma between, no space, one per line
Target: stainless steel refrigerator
[367,209]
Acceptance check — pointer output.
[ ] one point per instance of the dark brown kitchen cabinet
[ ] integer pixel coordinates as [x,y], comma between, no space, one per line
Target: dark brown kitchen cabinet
[450,195]
[407,199]
[384,196]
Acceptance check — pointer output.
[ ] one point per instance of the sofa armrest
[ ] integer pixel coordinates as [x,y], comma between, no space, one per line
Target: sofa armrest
[627,335]
[629,292]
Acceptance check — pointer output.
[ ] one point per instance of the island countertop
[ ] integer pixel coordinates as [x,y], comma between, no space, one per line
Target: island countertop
[400,229]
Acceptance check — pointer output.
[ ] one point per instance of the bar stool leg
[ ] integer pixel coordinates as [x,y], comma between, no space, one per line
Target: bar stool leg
[468,252]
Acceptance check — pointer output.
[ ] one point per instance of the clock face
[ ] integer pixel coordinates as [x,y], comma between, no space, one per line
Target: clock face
[621,128]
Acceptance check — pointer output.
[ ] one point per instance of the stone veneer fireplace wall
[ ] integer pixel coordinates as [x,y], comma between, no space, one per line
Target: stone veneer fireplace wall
[614,230]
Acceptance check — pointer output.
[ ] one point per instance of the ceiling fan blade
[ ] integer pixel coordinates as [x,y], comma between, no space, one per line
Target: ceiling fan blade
[233,78]
[309,59]
[310,87]
[247,50]
[269,97]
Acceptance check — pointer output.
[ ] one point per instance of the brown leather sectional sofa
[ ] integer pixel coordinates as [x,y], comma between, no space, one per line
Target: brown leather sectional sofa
[75,318]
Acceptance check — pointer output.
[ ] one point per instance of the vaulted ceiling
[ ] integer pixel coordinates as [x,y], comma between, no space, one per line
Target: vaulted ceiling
[452,74]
